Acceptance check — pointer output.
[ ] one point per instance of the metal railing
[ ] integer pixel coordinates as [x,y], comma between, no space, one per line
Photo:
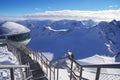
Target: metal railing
[48,68]
[52,71]
[22,70]
[98,74]
[45,64]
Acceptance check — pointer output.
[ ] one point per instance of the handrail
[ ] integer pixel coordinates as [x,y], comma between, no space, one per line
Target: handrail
[39,58]
[13,66]
[103,65]
[72,71]
[51,68]
[98,66]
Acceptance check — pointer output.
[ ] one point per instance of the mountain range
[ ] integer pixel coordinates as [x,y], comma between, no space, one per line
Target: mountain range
[83,38]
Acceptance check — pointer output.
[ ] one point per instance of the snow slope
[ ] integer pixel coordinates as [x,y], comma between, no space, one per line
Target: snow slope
[97,59]
[106,74]
[90,73]
[6,57]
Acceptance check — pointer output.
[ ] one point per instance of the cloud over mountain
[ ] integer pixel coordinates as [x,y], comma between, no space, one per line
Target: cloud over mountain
[102,15]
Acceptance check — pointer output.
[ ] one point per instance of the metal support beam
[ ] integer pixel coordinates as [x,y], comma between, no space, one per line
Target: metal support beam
[12,73]
[80,73]
[54,73]
[58,70]
[98,73]
[71,70]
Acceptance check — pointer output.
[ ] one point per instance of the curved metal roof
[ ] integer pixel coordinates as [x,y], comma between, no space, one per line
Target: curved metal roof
[12,28]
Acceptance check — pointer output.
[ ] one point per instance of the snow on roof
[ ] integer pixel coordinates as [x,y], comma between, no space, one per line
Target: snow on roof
[10,28]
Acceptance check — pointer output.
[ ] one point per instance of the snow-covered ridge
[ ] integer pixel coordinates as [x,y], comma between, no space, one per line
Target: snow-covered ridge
[61,30]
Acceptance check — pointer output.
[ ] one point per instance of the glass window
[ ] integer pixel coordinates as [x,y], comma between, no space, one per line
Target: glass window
[2,37]
[19,37]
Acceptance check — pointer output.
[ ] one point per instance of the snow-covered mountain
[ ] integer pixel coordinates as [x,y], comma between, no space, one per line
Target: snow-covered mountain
[83,38]
[111,32]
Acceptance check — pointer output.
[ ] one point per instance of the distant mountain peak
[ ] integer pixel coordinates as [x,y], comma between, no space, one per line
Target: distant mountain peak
[114,22]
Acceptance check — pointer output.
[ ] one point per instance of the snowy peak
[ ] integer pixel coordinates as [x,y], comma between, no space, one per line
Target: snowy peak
[89,23]
[114,22]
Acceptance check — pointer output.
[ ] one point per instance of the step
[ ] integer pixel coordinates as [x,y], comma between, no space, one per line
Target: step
[34,66]
[34,69]
[40,78]
[38,72]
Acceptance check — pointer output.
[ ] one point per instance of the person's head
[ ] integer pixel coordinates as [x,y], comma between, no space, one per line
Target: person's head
[69,52]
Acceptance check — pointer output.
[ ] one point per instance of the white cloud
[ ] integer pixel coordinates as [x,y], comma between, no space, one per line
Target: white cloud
[104,15]
[11,18]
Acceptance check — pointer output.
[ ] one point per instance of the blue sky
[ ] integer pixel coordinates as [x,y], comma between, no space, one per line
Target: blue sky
[21,7]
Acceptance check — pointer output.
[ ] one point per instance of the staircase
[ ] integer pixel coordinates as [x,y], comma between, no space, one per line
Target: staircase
[25,58]
[40,67]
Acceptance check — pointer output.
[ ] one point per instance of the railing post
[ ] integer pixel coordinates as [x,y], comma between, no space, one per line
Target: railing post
[36,57]
[42,60]
[58,70]
[47,66]
[98,73]
[12,73]
[80,73]
[50,72]
[54,73]
[27,71]
[71,69]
